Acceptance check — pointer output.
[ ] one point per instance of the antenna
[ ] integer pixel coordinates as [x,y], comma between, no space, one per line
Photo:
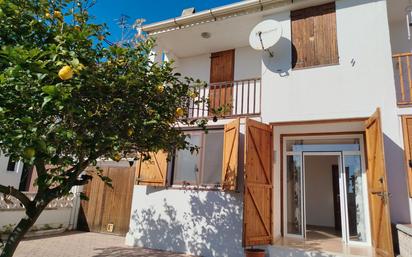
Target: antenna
[128,31]
[265,35]
[123,23]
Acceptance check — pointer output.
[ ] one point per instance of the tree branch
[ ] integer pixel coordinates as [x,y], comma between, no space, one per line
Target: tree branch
[8,190]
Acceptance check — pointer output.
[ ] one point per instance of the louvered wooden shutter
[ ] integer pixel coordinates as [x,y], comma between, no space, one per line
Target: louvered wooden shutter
[257,208]
[314,36]
[152,172]
[230,155]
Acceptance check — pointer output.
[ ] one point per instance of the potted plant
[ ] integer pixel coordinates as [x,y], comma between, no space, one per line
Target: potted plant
[254,252]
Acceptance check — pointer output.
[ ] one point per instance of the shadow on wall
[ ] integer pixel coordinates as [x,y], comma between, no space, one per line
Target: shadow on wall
[212,226]
[281,62]
[397,184]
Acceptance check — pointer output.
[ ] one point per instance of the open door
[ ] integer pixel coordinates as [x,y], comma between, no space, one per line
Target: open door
[257,208]
[230,155]
[152,172]
[377,187]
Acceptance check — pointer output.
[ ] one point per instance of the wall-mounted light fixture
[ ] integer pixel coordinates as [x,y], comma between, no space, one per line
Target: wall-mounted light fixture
[205,35]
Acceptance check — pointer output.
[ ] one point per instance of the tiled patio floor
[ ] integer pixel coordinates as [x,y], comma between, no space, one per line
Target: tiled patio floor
[81,244]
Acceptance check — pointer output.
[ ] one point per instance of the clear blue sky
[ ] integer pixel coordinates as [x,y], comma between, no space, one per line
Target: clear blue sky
[107,11]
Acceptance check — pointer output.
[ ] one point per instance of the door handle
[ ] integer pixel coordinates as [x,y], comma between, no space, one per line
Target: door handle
[384,195]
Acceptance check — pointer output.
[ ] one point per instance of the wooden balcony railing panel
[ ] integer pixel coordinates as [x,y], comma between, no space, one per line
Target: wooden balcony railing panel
[239,98]
[403,78]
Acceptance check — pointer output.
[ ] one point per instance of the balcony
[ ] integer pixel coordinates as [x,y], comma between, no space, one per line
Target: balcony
[239,98]
[403,78]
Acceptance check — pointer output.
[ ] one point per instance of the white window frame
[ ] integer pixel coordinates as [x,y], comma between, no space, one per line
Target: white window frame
[201,162]
[16,166]
[362,154]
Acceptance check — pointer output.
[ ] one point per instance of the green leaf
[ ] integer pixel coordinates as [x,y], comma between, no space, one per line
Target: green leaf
[46,100]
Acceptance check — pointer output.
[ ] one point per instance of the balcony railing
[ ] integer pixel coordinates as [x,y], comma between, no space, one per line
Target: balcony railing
[239,98]
[403,78]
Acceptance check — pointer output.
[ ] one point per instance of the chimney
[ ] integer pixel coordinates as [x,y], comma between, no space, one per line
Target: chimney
[188,12]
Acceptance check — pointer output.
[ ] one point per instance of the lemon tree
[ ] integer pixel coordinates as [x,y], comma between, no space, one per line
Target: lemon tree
[67,99]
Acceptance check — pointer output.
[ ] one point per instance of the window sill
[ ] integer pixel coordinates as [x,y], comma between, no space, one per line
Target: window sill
[316,66]
[195,188]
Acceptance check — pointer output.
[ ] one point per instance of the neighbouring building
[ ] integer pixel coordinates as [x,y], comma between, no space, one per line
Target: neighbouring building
[11,173]
[313,154]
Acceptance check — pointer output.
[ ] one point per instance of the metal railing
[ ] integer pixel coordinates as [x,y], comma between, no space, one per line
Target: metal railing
[239,98]
[403,78]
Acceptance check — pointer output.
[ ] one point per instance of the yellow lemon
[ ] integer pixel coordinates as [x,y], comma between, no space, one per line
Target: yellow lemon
[58,15]
[193,94]
[66,72]
[29,152]
[180,112]
[117,157]
[160,89]
[130,132]
[48,15]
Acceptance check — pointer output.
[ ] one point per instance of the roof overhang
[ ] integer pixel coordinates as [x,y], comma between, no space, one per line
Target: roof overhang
[215,14]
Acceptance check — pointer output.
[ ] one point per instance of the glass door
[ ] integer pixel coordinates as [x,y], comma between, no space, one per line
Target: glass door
[294,223]
[352,188]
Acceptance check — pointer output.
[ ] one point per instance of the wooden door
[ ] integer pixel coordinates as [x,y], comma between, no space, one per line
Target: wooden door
[257,209]
[108,205]
[377,187]
[407,140]
[222,67]
[336,198]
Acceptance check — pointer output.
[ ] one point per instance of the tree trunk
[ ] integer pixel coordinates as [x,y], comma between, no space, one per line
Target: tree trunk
[20,230]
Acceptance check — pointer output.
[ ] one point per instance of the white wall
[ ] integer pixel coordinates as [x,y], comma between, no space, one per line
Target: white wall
[361,82]
[399,37]
[247,65]
[9,178]
[53,218]
[319,190]
[202,223]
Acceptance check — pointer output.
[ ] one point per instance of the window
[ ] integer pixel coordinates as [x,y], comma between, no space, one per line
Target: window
[203,167]
[314,40]
[11,165]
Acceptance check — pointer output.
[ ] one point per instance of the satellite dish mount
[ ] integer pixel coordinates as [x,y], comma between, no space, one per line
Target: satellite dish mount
[263,47]
[265,35]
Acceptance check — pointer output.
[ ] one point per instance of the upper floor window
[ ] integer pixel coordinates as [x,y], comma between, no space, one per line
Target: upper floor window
[314,40]
[11,165]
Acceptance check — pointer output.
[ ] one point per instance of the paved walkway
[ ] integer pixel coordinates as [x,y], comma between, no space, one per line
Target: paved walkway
[81,244]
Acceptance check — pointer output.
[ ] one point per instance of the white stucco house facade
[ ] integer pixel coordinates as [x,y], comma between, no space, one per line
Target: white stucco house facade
[313,143]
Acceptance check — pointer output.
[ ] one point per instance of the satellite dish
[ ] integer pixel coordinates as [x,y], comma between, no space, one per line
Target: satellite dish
[265,35]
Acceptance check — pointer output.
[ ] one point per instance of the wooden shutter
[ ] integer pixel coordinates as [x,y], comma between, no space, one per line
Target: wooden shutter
[222,69]
[314,36]
[152,172]
[257,209]
[407,139]
[230,155]
[377,187]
